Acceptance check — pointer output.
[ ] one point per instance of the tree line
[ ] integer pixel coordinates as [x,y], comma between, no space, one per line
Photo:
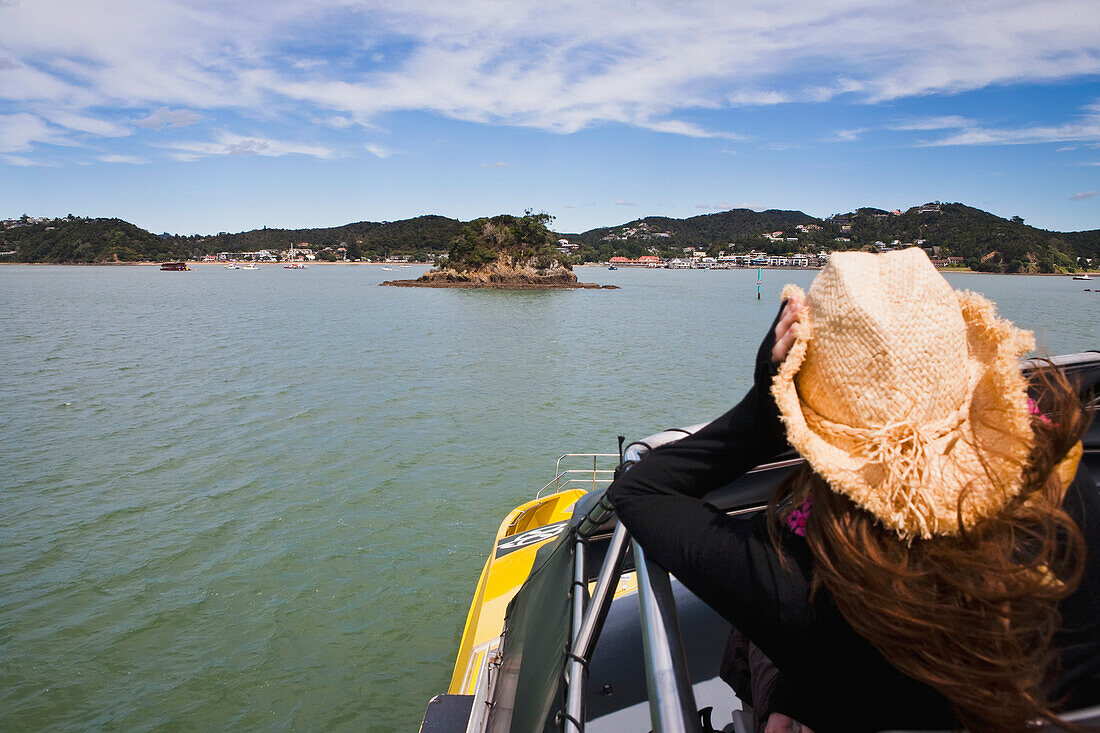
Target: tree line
[985,241]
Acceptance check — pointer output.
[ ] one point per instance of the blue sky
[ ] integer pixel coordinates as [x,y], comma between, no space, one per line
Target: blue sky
[204,116]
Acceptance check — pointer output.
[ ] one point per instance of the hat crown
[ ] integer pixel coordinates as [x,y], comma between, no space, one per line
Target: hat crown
[906,396]
[889,341]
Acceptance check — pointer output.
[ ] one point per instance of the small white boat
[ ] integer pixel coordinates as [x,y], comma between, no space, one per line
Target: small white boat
[295,266]
[406,265]
[233,266]
[1085,276]
[250,266]
[388,269]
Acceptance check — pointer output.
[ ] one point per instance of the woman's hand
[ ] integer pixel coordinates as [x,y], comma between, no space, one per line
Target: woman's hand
[787,329]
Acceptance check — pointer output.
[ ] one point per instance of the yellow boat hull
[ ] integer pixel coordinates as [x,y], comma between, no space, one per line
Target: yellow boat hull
[526,528]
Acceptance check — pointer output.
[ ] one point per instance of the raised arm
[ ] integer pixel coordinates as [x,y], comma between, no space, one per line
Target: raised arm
[748,434]
[728,563]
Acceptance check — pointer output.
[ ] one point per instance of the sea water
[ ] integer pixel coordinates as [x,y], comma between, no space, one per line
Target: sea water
[261,499]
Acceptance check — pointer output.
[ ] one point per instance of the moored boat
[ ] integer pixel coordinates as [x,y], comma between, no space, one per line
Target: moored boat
[295,266]
[1082,276]
[535,655]
[175,267]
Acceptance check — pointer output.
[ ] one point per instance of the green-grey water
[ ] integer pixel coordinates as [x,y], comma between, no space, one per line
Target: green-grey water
[260,500]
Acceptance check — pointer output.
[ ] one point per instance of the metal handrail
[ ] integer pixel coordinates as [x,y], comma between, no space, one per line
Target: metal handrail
[672,706]
[593,456]
[590,625]
[671,700]
[587,621]
[596,475]
[558,484]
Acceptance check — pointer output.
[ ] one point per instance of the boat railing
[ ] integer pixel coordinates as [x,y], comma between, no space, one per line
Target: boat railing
[593,477]
[671,700]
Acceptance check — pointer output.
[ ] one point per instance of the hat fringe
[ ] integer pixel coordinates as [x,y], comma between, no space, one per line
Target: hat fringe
[903,452]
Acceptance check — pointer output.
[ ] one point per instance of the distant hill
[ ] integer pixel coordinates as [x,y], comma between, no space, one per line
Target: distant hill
[985,241]
[374,240]
[697,231]
[77,240]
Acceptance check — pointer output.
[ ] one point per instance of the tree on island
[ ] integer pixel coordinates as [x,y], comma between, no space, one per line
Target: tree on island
[502,252]
[505,241]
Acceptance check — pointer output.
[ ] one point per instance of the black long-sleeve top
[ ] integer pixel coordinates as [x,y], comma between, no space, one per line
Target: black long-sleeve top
[832,678]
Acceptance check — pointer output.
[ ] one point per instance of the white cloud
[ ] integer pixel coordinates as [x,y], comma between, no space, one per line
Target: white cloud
[755,98]
[227,143]
[621,202]
[378,151]
[83,123]
[114,158]
[20,130]
[560,66]
[164,117]
[1084,195]
[688,129]
[1086,129]
[20,160]
[850,135]
[1066,149]
[948,122]
[498,164]
[337,121]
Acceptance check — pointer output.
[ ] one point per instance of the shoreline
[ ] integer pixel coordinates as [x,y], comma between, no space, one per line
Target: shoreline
[941,270]
[193,263]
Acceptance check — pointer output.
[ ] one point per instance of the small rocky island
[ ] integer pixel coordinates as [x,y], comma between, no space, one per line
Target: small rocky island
[504,252]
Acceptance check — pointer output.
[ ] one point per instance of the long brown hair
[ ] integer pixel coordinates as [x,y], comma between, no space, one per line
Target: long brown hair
[973,615]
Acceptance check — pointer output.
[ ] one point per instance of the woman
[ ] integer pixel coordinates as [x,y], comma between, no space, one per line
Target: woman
[925,568]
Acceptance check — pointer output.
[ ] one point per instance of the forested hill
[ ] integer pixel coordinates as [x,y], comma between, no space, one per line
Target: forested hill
[374,240]
[697,231]
[82,240]
[1085,244]
[74,239]
[984,241]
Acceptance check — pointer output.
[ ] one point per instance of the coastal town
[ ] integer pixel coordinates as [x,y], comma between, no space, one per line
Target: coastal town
[694,259]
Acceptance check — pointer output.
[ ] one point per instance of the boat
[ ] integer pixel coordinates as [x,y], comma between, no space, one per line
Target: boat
[388,269]
[295,266]
[175,267]
[250,266]
[232,266]
[612,267]
[535,656]
[1083,276]
[406,265]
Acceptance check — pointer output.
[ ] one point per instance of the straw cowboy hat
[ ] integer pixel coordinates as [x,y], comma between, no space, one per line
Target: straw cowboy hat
[905,395]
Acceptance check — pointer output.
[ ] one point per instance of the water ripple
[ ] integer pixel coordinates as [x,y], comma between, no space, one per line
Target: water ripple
[263,503]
